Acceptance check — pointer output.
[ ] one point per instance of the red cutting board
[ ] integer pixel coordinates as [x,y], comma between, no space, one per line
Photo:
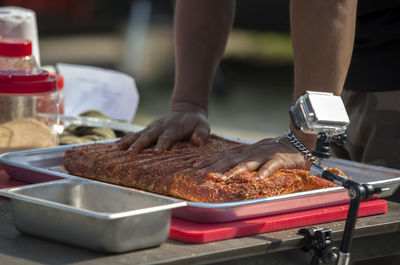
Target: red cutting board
[192,232]
[7,182]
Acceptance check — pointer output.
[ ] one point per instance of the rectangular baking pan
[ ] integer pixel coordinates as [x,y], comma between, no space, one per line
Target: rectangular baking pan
[39,165]
[362,173]
[93,215]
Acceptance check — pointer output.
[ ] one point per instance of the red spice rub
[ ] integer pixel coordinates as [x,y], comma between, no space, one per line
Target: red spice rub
[171,173]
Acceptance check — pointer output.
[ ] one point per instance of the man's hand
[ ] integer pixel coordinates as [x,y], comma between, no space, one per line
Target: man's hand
[174,126]
[201,30]
[267,155]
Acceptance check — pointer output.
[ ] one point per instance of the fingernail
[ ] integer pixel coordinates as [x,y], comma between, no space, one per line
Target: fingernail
[133,150]
[203,171]
[195,141]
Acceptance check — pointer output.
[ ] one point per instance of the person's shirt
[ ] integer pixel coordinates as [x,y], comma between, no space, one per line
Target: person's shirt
[375,64]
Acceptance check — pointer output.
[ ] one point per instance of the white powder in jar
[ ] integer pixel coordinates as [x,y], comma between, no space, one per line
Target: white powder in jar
[25,134]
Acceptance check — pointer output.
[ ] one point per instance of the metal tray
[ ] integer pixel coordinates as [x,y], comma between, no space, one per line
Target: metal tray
[40,165]
[93,215]
[362,173]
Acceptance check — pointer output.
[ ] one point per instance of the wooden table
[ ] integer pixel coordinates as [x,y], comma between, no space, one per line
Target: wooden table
[375,236]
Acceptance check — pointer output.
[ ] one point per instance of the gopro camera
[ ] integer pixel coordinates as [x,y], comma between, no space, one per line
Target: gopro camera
[319,112]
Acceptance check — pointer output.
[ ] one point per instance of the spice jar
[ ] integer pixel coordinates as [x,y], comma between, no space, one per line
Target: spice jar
[16,54]
[28,110]
[60,87]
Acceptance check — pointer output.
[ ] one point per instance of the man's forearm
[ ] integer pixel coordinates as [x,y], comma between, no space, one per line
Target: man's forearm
[201,31]
[322,36]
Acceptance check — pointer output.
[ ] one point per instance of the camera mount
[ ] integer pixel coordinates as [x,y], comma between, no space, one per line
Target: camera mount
[325,114]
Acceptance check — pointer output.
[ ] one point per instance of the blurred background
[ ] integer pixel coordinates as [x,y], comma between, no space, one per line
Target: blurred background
[252,88]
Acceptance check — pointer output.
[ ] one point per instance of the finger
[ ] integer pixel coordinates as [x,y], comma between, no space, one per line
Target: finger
[242,167]
[209,161]
[226,163]
[200,135]
[166,140]
[231,154]
[269,167]
[126,141]
[146,139]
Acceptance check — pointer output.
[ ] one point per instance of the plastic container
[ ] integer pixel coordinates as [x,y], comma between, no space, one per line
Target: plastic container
[60,87]
[28,110]
[16,54]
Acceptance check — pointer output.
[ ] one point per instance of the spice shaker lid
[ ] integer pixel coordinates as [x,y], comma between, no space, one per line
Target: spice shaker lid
[27,81]
[60,81]
[14,47]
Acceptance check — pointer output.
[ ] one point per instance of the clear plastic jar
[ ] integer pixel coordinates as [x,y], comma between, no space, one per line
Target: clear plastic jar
[60,87]
[28,110]
[16,54]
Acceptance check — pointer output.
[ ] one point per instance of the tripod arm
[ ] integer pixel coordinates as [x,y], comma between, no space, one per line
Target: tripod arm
[324,173]
[357,193]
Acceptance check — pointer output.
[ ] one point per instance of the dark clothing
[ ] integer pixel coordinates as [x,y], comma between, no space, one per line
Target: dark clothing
[375,64]
[372,89]
[374,131]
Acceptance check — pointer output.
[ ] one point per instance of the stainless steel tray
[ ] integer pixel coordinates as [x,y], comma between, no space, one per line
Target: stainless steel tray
[362,173]
[46,164]
[92,215]
[38,165]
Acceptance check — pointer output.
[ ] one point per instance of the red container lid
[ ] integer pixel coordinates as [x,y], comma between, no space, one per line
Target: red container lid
[60,81]
[11,47]
[27,82]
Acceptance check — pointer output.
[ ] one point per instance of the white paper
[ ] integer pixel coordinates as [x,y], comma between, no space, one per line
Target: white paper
[17,22]
[92,88]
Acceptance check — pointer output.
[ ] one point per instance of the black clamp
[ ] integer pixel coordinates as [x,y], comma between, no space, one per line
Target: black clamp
[320,241]
[322,149]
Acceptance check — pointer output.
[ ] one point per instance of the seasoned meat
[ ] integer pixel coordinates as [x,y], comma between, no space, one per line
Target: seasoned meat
[171,172]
